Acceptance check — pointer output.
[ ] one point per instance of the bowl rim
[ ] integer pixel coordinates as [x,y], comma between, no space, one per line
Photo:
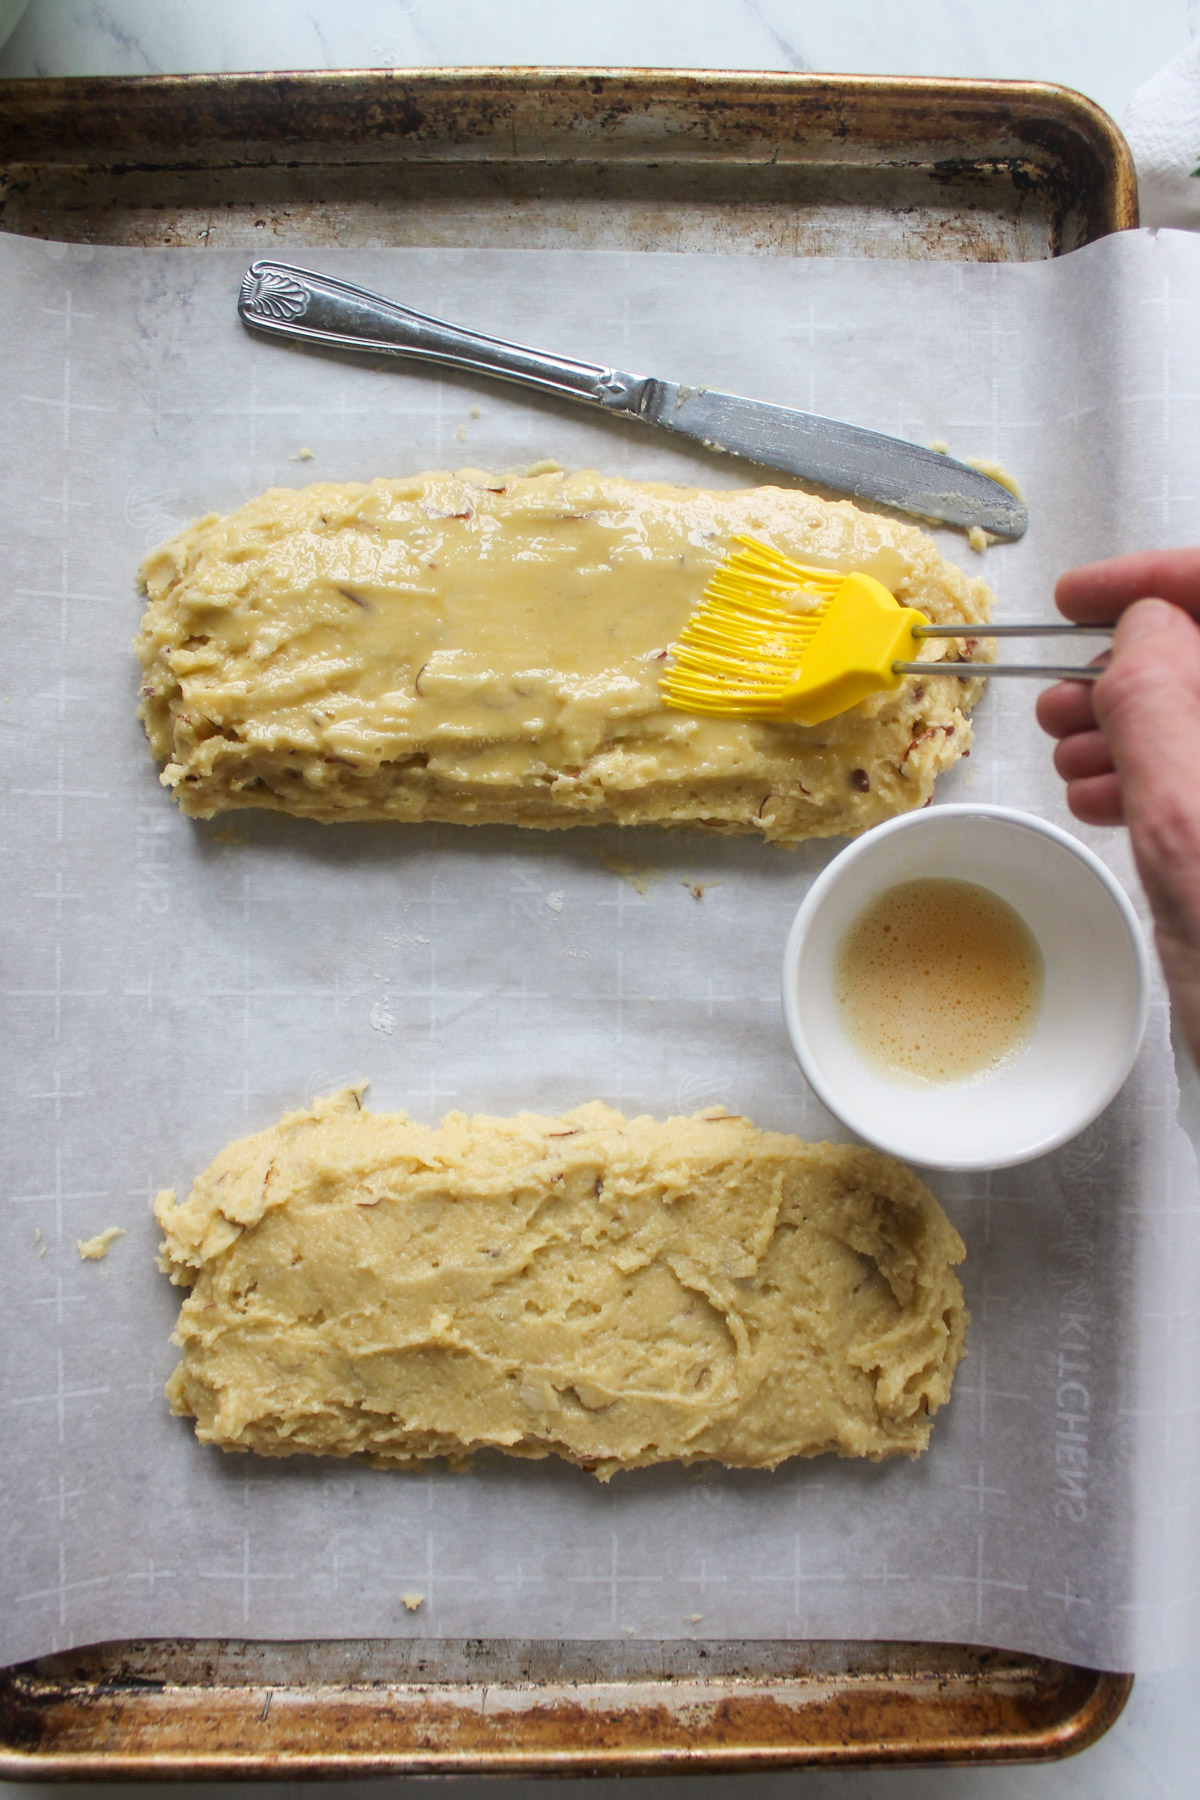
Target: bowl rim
[834,872]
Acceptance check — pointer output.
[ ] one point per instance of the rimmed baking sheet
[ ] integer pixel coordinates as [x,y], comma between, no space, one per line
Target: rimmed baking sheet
[755,164]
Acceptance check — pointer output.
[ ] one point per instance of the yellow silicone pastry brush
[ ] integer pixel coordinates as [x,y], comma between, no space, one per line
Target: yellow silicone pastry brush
[775,639]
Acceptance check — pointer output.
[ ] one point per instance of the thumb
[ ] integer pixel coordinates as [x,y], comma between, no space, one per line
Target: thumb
[1147,703]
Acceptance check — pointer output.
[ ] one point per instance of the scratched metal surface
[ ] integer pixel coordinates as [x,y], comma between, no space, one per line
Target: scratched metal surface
[489,1707]
[777,165]
[771,164]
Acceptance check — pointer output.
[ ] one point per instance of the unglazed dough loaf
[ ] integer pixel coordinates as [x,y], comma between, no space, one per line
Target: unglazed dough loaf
[612,1291]
[487,650]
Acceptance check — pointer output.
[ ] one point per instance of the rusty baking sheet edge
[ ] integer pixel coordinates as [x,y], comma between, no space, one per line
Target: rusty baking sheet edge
[742,120]
[1008,1709]
[984,149]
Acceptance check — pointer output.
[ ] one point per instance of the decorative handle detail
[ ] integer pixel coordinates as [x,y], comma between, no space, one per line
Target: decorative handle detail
[268,294]
[318,309]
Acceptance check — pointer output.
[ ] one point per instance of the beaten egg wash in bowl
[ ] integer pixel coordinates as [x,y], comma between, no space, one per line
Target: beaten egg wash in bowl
[938,980]
[966,987]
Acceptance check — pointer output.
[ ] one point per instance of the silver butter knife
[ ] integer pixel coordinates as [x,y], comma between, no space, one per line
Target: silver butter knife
[316,309]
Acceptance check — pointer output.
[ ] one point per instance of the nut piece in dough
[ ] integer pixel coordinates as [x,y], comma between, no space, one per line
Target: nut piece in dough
[612,1291]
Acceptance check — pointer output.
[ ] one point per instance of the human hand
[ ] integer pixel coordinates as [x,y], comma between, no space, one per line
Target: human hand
[1129,744]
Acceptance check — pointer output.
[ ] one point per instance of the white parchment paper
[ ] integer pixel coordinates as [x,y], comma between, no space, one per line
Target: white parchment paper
[171,985]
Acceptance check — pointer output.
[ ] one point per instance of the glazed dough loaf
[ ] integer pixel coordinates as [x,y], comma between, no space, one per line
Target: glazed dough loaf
[487,650]
[612,1291]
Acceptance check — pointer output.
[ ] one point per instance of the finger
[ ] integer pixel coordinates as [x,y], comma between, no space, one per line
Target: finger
[1066,708]
[1097,800]
[1148,705]
[1099,592]
[1083,756]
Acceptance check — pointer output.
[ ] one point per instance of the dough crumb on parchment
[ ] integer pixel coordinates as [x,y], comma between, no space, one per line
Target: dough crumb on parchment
[95,1249]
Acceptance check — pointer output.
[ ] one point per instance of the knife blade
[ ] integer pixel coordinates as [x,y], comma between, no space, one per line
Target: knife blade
[282,300]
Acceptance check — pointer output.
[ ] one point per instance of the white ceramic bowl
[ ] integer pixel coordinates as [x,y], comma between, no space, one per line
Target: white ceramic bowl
[1093,1012]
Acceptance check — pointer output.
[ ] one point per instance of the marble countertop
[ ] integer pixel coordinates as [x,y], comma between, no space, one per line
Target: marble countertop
[1105,48]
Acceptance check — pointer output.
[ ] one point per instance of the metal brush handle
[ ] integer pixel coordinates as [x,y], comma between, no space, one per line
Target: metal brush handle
[1039,672]
[968,671]
[997,631]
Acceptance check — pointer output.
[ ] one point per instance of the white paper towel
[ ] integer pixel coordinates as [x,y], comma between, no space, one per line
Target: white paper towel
[171,985]
[1162,124]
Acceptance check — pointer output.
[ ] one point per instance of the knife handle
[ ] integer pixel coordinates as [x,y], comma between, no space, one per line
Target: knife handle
[297,303]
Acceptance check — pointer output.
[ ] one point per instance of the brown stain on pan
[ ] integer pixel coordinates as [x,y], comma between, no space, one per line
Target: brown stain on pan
[104,1714]
[856,165]
[776,164]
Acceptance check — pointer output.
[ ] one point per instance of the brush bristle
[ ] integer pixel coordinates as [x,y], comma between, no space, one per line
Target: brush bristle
[741,648]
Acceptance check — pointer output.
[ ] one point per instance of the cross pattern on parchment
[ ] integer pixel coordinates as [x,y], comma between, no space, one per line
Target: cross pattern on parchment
[59,792]
[63,1587]
[801,1576]
[612,1578]
[65,593]
[68,312]
[981,1583]
[65,504]
[57,993]
[981,1488]
[57,1194]
[707,1578]
[58,894]
[982,1388]
[885,1573]
[152,1573]
[254,410]
[1067,1595]
[66,400]
[245,1575]
[58,1299]
[58,1093]
[985,1197]
[60,1395]
[65,1493]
